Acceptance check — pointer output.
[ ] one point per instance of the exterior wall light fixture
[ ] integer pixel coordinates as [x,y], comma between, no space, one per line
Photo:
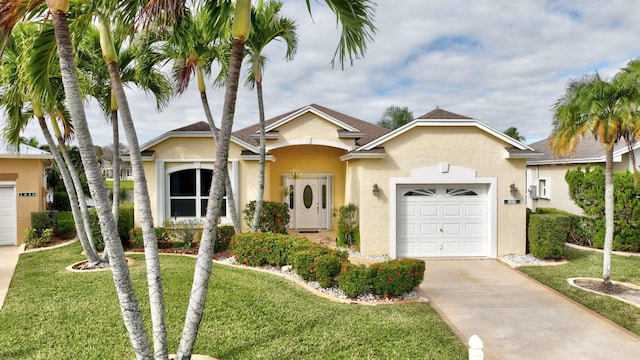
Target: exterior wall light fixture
[376,190]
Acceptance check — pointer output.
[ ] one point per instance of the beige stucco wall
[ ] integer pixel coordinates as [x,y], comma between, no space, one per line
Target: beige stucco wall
[29,177]
[557,186]
[179,151]
[309,128]
[423,147]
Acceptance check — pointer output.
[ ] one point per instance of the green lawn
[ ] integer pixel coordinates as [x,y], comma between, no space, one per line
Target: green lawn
[589,264]
[51,313]
[124,184]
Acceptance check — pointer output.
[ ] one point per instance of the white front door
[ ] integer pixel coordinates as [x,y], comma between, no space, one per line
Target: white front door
[307,203]
[7,215]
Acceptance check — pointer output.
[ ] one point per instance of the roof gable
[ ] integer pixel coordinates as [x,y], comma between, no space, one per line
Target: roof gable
[589,150]
[365,131]
[23,151]
[440,117]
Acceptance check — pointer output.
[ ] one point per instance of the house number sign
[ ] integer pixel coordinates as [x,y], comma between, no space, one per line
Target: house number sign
[26,194]
[512,202]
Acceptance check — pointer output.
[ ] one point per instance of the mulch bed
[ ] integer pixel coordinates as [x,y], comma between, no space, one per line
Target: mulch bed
[618,290]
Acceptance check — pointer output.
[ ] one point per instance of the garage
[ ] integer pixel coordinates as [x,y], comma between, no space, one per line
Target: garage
[442,220]
[7,215]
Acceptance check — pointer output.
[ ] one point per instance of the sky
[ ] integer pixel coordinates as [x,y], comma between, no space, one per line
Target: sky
[499,61]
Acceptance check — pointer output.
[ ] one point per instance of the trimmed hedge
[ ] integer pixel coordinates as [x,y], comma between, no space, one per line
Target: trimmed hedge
[125,223]
[65,226]
[313,262]
[42,220]
[354,280]
[548,234]
[395,277]
[274,216]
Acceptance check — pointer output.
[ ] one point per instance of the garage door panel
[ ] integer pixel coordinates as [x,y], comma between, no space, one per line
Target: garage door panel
[450,222]
[7,216]
[428,210]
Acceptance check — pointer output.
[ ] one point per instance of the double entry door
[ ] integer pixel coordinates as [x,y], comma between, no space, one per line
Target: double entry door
[310,200]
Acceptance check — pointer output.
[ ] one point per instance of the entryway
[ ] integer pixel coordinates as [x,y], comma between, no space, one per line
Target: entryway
[310,199]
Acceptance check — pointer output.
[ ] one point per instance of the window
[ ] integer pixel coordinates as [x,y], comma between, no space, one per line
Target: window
[461,192]
[420,192]
[188,193]
[324,196]
[543,188]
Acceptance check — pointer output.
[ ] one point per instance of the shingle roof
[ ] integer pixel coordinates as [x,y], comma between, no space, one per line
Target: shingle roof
[438,113]
[370,131]
[199,126]
[588,148]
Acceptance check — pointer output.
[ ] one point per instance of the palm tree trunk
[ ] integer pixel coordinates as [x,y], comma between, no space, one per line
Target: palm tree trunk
[227,181]
[115,165]
[87,246]
[152,258]
[129,308]
[202,271]
[608,216]
[263,153]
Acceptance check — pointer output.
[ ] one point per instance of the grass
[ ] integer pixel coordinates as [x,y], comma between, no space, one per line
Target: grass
[124,184]
[589,264]
[51,313]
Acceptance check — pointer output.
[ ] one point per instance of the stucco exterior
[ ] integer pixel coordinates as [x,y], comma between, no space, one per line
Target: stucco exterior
[338,160]
[26,173]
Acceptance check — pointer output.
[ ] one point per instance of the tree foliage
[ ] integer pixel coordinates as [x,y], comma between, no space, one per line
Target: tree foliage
[513,133]
[586,188]
[395,116]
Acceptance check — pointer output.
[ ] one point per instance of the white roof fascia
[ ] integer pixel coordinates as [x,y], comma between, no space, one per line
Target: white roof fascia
[522,156]
[313,110]
[447,122]
[256,157]
[193,134]
[361,155]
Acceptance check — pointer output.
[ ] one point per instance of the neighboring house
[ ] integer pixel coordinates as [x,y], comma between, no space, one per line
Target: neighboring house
[22,190]
[444,185]
[107,170]
[546,186]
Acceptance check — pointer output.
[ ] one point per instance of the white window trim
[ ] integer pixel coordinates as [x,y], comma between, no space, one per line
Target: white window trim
[162,186]
[544,192]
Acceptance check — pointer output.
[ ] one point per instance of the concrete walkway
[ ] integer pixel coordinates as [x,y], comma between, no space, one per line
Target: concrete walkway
[8,260]
[518,318]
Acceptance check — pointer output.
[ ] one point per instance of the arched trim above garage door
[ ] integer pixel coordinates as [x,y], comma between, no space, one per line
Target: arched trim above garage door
[427,179]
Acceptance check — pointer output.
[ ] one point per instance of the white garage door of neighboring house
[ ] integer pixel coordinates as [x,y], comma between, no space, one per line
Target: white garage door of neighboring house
[7,215]
[442,221]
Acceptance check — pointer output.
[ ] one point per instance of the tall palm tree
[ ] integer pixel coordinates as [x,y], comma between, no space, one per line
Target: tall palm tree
[395,116]
[267,26]
[629,79]
[355,16]
[592,106]
[194,46]
[30,79]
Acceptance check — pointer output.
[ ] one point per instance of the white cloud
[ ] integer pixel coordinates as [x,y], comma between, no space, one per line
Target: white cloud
[503,63]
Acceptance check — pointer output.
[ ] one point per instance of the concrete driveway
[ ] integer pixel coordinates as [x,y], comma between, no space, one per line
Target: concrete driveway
[8,260]
[518,318]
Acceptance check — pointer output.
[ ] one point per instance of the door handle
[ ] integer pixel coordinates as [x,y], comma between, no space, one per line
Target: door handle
[441,230]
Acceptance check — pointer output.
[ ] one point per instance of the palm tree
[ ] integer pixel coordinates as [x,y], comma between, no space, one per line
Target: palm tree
[355,16]
[629,79]
[28,79]
[194,46]
[267,26]
[395,117]
[514,134]
[593,106]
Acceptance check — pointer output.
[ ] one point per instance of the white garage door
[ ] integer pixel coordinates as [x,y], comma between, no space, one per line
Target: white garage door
[442,221]
[7,215]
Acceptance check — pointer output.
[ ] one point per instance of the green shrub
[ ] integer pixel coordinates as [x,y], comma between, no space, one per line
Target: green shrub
[348,230]
[42,220]
[304,261]
[224,235]
[33,239]
[327,267]
[548,234]
[162,237]
[125,223]
[354,280]
[61,201]
[65,226]
[395,277]
[274,216]
[258,249]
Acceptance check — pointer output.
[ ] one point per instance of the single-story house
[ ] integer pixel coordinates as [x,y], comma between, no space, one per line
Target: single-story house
[22,190]
[444,185]
[545,175]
